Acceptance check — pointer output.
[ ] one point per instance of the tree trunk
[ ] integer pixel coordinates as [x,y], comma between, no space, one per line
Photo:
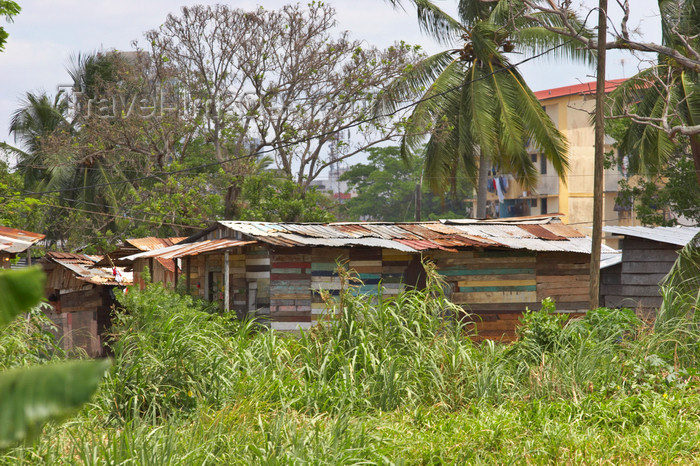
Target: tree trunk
[231,202]
[695,150]
[481,187]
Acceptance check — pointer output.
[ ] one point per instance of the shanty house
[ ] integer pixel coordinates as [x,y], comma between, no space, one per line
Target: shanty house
[81,296]
[494,268]
[648,253]
[13,242]
[161,270]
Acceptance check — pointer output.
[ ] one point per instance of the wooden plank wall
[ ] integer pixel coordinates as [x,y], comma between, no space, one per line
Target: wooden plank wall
[635,284]
[159,274]
[324,276]
[564,277]
[77,323]
[495,287]
[290,288]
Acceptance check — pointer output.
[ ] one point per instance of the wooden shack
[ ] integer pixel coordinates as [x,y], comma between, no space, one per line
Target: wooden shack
[161,270]
[648,253]
[494,269]
[14,242]
[81,296]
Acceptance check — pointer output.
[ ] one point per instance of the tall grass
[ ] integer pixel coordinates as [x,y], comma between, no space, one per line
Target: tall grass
[389,380]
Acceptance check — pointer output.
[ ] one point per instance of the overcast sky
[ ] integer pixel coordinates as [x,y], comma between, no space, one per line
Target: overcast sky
[46,33]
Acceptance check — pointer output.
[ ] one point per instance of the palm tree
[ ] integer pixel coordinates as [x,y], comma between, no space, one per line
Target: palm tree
[663,96]
[39,117]
[474,106]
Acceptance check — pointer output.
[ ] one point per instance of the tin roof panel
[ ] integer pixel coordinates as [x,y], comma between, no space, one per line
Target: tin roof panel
[680,236]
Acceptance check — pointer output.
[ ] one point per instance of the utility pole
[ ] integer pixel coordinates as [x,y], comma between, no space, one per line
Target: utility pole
[419,192]
[594,289]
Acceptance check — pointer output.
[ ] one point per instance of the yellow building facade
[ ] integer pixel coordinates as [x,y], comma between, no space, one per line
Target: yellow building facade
[571,109]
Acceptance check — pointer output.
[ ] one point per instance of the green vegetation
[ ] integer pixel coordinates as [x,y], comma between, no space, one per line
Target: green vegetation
[397,380]
[32,394]
[386,190]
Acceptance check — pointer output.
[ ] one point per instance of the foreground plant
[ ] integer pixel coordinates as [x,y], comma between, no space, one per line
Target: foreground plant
[33,395]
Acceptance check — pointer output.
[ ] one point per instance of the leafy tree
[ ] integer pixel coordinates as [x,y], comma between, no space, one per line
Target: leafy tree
[274,198]
[279,80]
[30,396]
[8,9]
[386,189]
[473,104]
[660,199]
[15,210]
[663,101]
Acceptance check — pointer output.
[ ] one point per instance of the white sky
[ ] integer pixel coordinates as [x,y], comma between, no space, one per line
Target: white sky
[46,33]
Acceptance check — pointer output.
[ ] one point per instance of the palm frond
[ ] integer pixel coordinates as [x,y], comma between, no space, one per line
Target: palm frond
[438,24]
[483,110]
[513,155]
[539,126]
[413,83]
[428,113]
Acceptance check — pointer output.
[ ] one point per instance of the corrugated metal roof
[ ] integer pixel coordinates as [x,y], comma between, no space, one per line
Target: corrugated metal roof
[189,249]
[539,233]
[15,241]
[679,236]
[151,243]
[83,266]
[608,260]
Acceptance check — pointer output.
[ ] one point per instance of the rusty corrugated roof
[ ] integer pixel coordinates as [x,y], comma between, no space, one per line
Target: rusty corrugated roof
[83,266]
[15,241]
[189,249]
[536,233]
[151,243]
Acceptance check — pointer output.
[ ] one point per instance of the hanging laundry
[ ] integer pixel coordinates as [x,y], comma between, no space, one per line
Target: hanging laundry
[502,183]
[499,191]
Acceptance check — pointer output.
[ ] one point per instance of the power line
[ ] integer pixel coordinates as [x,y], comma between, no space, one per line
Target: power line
[308,138]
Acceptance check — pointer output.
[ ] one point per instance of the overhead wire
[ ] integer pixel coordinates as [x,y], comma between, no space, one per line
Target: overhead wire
[304,139]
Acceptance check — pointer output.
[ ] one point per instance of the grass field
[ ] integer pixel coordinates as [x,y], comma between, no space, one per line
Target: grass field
[396,381]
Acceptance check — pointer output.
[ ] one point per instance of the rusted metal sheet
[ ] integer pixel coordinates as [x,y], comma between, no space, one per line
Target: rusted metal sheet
[542,233]
[189,249]
[151,243]
[353,230]
[563,230]
[423,244]
[83,266]
[420,231]
[440,228]
[532,233]
[15,241]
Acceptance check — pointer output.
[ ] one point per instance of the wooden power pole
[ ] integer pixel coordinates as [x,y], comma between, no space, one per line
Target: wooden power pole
[594,289]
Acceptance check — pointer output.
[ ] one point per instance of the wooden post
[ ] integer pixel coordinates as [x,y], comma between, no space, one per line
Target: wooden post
[176,276]
[226,282]
[594,289]
[188,272]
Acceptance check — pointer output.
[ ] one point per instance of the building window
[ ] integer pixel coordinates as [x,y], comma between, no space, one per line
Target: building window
[533,157]
[543,205]
[543,165]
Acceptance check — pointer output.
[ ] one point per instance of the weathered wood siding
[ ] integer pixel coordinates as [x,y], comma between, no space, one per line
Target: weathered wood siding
[159,274]
[81,316]
[287,285]
[635,282]
[495,287]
